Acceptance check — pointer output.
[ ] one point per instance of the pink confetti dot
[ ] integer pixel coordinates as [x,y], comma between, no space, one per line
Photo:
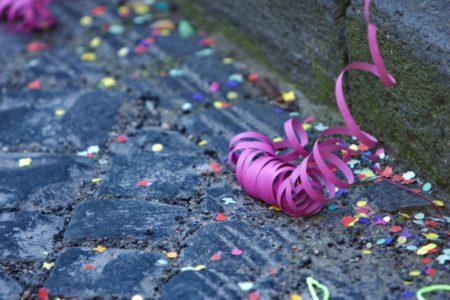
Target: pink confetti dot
[237,252]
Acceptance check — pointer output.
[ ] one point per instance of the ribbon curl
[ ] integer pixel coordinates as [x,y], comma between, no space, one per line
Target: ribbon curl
[27,15]
[266,170]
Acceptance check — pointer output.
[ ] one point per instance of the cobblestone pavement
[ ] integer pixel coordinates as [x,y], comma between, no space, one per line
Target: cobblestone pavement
[114,182]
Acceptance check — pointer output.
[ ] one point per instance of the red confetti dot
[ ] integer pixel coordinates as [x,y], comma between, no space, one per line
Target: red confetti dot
[34,85]
[144,183]
[396,228]
[216,257]
[37,46]
[387,172]
[121,139]
[216,167]
[140,49]
[98,10]
[221,217]
[43,294]
[88,267]
[254,296]
[347,220]
[208,42]
[226,104]
[430,272]
[426,260]
[363,147]
[397,178]
[253,77]
[432,223]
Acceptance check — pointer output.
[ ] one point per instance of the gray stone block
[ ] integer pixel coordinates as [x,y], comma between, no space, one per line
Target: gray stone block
[114,273]
[49,183]
[169,177]
[191,285]
[89,115]
[390,198]
[9,288]
[97,219]
[27,236]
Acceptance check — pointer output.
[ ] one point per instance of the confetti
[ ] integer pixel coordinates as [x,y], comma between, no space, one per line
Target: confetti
[245,286]
[289,96]
[157,147]
[221,217]
[88,267]
[144,183]
[216,257]
[86,20]
[361,203]
[425,249]
[34,85]
[228,201]
[172,255]
[137,297]
[95,42]
[237,252]
[99,248]
[89,56]
[43,294]
[47,265]
[162,262]
[296,297]
[25,162]
[108,82]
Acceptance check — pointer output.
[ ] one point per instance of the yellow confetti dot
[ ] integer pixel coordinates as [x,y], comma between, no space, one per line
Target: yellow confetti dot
[218,104]
[424,249]
[172,255]
[367,251]
[100,249]
[25,162]
[289,96]
[124,10]
[165,32]
[60,112]
[86,20]
[96,180]
[202,143]
[275,208]
[368,173]
[157,147]
[296,297]
[228,60]
[95,42]
[306,126]
[402,240]
[89,56]
[137,297]
[354,147]
[438,202]
[47,265]
[123,51]
[361,203]
[232,95]
[141,9]
[431,236]
[414,273]
[108,82]
[362,215]
[199,267]
[277,139]
[405,215]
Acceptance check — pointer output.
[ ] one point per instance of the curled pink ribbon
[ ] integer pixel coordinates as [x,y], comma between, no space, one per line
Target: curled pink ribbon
[27,14]
[266,169]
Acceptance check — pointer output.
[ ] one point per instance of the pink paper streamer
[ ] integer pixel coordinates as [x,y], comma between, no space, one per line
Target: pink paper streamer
[301,190]
[27,15]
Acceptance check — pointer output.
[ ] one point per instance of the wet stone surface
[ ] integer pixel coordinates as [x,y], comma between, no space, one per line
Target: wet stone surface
[9,288]
[152,176]
[48,184]
[390,198]
[114,182]
[77,119]
[115,273]
[96,219]
[27,236]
